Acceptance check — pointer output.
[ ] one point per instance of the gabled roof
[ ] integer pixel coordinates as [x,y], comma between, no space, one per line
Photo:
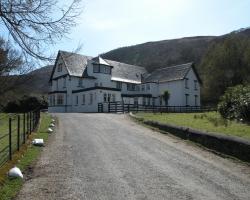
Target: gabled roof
[172,73]
[126,73]
[75,63]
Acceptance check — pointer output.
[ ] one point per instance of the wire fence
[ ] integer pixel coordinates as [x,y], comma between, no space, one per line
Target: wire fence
[14,131]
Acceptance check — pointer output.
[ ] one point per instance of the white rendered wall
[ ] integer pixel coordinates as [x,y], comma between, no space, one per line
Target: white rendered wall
[175,88]
[191,89]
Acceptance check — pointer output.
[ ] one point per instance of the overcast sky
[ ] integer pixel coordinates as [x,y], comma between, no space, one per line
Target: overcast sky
[108,24]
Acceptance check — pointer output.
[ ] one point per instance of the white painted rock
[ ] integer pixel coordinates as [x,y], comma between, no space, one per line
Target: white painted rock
[53,120]
[38,142]
[50,130]
[52,125]
[15,172]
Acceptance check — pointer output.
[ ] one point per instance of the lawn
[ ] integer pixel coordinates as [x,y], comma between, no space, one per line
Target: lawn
[208,121]
[27,155]
[4,133]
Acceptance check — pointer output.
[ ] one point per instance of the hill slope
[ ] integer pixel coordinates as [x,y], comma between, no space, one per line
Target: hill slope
[154,55]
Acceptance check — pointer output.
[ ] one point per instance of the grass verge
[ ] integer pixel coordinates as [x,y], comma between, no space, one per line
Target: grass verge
[208,122]
[22,159]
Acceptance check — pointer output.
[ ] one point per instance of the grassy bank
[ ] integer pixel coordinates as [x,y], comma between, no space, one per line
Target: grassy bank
[22,159]
[209,122]
[4,129]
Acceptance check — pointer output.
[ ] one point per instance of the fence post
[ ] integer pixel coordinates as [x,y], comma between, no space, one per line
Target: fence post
[24,135]
[18,132]
[108,106]
[27,125]
[10,151]
[30,122]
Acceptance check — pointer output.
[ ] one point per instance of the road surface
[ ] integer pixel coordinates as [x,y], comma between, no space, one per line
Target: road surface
[108,156]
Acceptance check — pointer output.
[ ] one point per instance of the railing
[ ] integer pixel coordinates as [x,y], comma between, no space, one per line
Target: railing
[14,131]
[119,107]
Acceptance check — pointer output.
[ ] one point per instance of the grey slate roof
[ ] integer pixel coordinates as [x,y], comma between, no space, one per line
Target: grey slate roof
[100,61]
[76,66]
[75,63]
[125,72]
[166,74]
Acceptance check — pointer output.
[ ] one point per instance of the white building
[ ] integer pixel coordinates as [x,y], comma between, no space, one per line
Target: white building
[79,83]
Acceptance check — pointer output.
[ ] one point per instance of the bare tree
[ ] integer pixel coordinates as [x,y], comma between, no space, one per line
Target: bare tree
[10,62]
[36,24]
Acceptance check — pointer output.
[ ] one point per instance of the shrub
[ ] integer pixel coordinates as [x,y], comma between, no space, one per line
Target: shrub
[235,103]
[26,104]
[166,96]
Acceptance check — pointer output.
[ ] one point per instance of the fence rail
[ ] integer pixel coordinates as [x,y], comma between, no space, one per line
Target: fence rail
[119,107]
[14,131]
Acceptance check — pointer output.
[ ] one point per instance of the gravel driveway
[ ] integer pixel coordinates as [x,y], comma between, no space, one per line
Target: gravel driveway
[108,156]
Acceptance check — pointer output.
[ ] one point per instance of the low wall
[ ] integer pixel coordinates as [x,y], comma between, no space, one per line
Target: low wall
[229,145]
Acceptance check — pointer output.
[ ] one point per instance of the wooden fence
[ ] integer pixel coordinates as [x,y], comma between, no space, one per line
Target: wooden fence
[119,107]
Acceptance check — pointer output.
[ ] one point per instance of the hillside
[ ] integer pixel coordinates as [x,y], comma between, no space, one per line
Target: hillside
[217,58]
[39,81]
[153,55]
[35,82]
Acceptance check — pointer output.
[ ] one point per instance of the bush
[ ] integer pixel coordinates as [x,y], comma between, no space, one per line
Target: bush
[26,104]
[235,103]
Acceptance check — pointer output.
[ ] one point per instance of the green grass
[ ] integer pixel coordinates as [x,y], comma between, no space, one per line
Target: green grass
[4,130]
[209,122]
[27,155]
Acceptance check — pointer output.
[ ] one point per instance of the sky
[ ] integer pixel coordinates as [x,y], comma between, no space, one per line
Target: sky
[109,24]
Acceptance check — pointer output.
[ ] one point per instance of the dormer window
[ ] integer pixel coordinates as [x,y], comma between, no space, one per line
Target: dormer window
[101,69]
[59,68]
[96,68]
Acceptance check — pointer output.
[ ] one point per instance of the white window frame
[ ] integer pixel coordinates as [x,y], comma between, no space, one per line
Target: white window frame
[59,100]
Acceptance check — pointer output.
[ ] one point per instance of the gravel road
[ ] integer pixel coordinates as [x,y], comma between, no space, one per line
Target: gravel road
[108,156]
